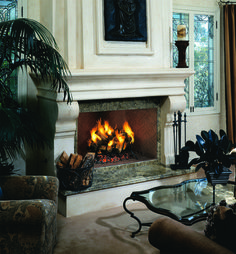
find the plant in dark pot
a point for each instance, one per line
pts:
(25, 44)
(215, 155)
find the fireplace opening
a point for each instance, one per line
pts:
(118, 137)
(110, 144)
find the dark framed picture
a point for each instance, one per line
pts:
(125, 20)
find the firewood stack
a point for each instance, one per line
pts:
(74, 171)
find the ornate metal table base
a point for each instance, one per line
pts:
(136, 218)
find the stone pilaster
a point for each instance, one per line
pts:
(171, 104)
(59, 123)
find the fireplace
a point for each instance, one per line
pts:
(99, 95)
(142, 115)
(104, 74)
(103, 93)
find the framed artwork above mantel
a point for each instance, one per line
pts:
(125, 20)
(121, 47)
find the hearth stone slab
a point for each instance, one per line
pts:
(125, 174)
(111, 186)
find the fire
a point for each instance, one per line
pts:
(129, 131)
(108, 129)
(94, 136)
(106, 138)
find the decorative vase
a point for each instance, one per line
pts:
(221, 178)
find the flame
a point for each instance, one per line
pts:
(113, 138)
(129, 131)
(110, 145)
(108, 129)
(94, 136)
(101, 129)
(120, 139)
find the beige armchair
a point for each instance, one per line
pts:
(28, 214)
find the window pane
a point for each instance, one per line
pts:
(8, 11)
(203, 61)
(181, 19)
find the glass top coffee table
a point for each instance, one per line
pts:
(187, 202)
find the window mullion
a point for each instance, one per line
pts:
(191, 58)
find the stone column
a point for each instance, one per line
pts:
(171, 104)
(59, 122)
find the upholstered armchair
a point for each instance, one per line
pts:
(28, 214)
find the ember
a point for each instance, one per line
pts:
(110, 144)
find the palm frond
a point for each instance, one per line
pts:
(19, 126)
(25, 42)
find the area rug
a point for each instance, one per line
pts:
(107, 232)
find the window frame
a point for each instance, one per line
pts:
(22, 79)
(202, 11)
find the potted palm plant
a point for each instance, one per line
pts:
(25, 44)
(215, 155)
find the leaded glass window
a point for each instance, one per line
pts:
(200, 89)
(203, 61)
(8, 11)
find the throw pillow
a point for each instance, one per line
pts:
(221, 225)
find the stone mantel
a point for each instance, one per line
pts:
(94, 85)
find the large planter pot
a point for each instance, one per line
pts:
(221, 178)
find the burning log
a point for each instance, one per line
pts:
(106, 139)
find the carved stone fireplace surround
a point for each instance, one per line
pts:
(168, 84)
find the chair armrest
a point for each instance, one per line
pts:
(170, 236)
(30, 187)
(26, 212)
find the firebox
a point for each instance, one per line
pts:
(119, 136)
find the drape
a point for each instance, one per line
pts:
(230, 69)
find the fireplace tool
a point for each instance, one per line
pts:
(181, 157)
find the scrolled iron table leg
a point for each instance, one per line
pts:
(132, 216)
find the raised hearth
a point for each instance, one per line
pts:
(112, 185)
(121, 175)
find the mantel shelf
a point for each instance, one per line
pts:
(165, 73)
(97, 85)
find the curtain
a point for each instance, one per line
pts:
(230, 69)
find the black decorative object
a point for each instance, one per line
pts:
(221, 178)
(215, 155)
(181, 156)
(182, 46)
(75, 179)
(221, 224)
(125, 20)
